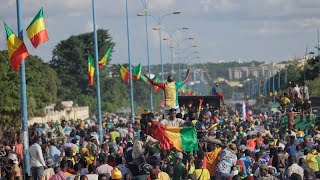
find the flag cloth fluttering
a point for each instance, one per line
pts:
(144, 79)
(182, 138)
(36, 30)
(125, 75)
(105, 58)
(244, 113)
(16, 49)
(90, 70)
(136, 72)
(156, 79)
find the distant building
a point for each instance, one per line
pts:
(68, 112)
(264, 70)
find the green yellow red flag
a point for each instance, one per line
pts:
(36, 30)
(16, 49)
(105, 58)
(90, 70)
(125, 75)
(136, 72)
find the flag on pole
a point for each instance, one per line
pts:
(136, 72)
(244, 113)
(144, 79)
(36, 30)
(125, 75)
(90, 70)
(16, 49)
(105, 58)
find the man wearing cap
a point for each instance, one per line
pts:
(173, 121)
(215, 93)
(170, 89)
(16, 172)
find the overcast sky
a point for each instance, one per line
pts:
(263, 30)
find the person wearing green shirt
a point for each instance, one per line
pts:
(179, 168)
(113, 135)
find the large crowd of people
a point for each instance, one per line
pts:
(234, 149)
(229, 147)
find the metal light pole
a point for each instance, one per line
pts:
(279, 81)
(273, 76)
(179, 52)
(171, 56)
(286, 76)
(179, 72)
(189, 57)
(171, 36)
(161, 59)
(148, 50)
(159, 21)
(318, 46)
(304, 64)
(95, 40)
(269, 81)
(130, 65)
(24, 108)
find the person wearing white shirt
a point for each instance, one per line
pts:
(37, 161)
(91, 175)
(293, 168)
(104, 168)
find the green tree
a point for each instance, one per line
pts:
(42, 84)
(70, 62)
(314, 86)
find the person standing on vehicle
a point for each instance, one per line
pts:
(215, 92)
(170, 89)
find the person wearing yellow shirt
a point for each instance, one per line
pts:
(200, 173)
(285, 100)
(311, 160)
(212, 158)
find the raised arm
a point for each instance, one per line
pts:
(151, 81)
(187, 76)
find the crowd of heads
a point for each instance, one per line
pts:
(230, 147)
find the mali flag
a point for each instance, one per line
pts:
(90, 70)
(105, 58)
(36, 30)
(16, 48)
(181, 138)
(125, 75)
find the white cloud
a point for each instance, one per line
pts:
(307, 23)
(89, 26)
(160, 4)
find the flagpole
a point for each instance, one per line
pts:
(24, 109)
(273, 76)
(279, 81)
(318, 46)
(130, 66)
(95, 39)
(148, 50)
